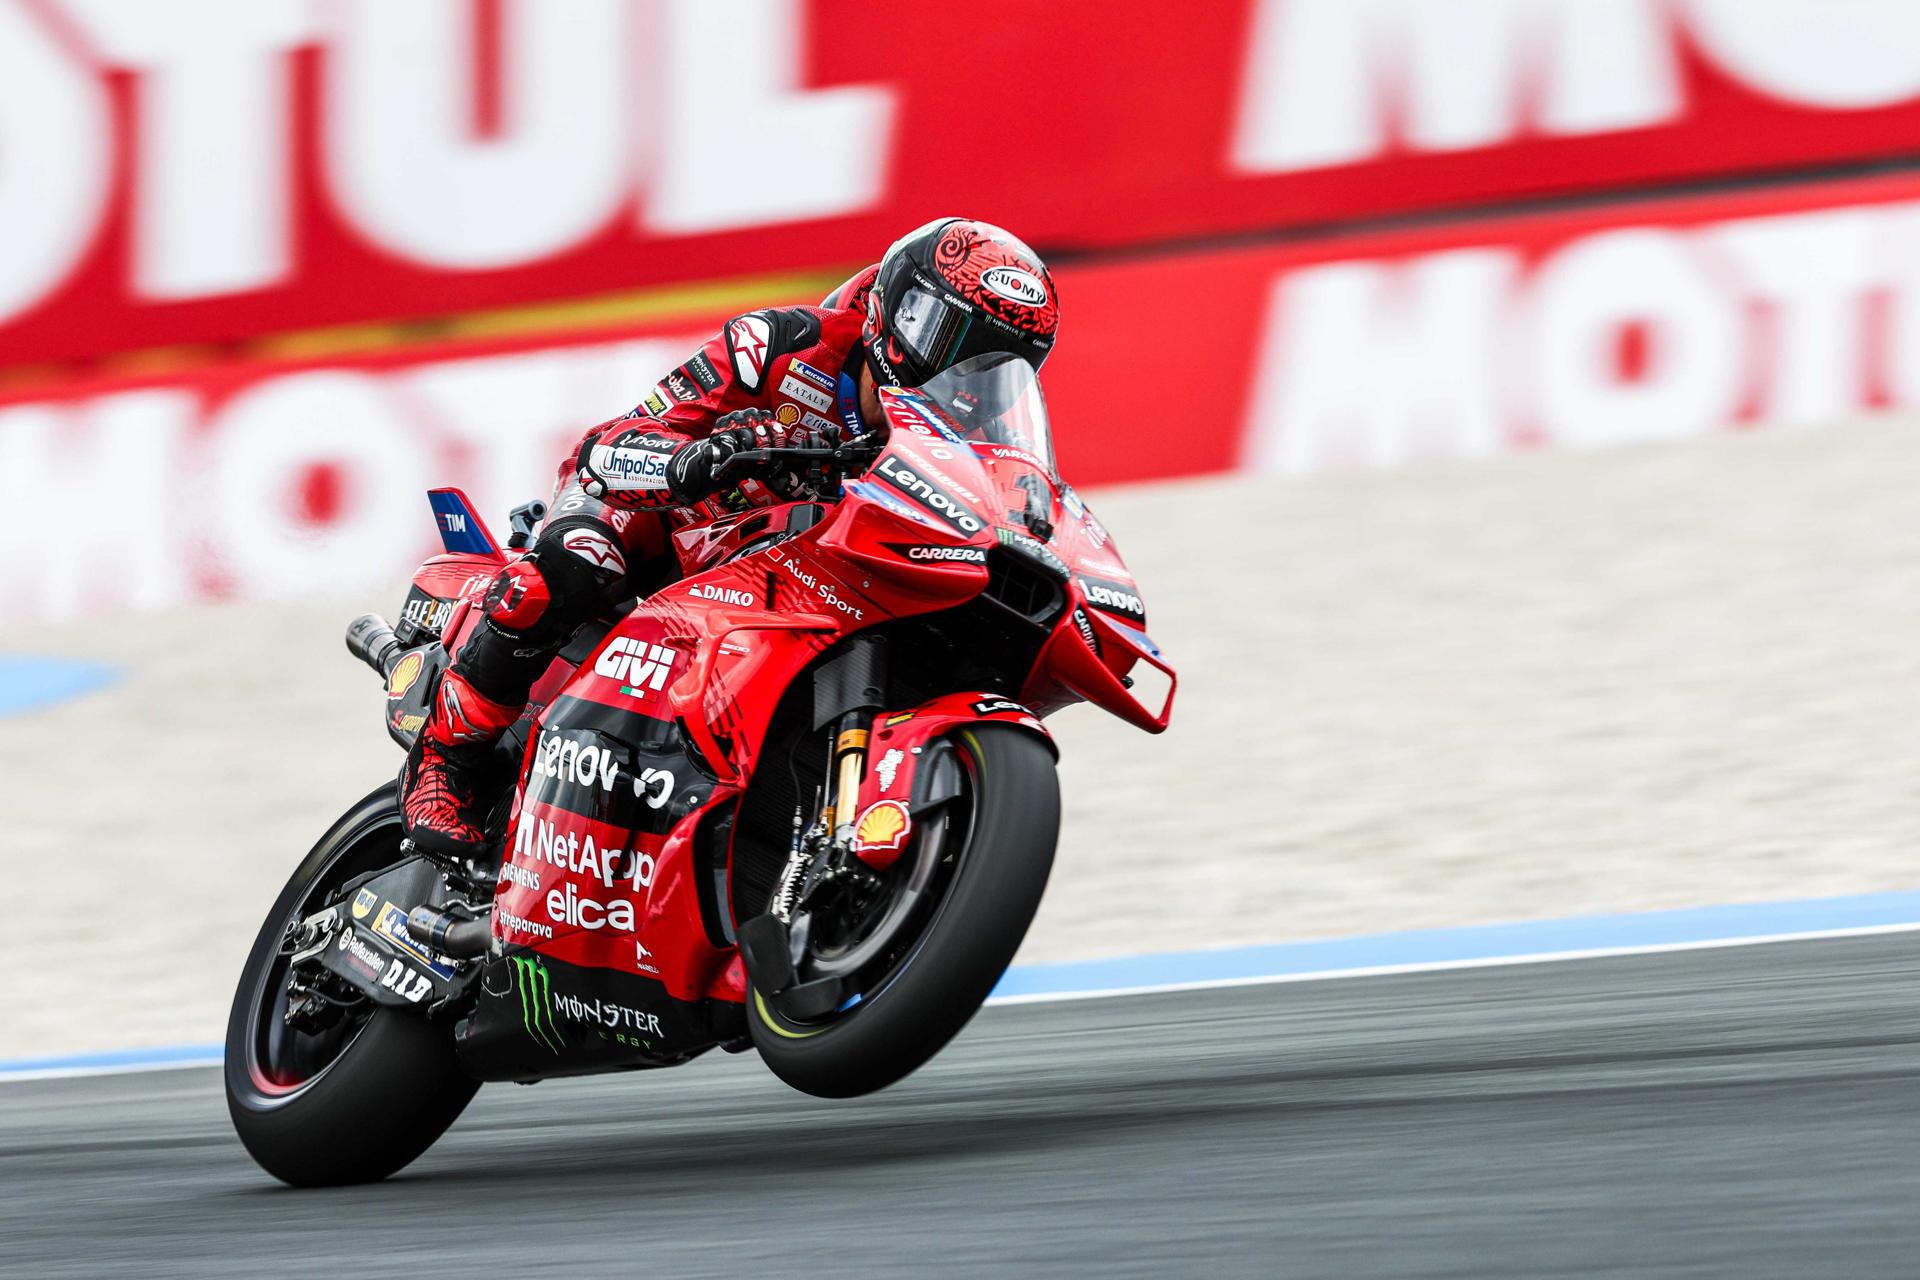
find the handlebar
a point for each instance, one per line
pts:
(853, 452)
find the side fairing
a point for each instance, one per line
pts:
(604, 789)
(644, 748)
(599, 859)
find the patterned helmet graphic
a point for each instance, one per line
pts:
(952, 290)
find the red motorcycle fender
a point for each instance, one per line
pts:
(893, 758)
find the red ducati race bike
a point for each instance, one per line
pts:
(799, 800)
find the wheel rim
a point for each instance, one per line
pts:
(882, 948)
(281, 1061)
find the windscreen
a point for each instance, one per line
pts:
(995, 398)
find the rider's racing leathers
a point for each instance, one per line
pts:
(775, 377)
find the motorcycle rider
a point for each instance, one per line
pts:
(780, 377)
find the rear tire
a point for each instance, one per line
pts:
(391, 1086)
(939, 984)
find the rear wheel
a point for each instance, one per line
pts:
(923, 958)
(363, 1096)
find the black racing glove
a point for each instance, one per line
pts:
(704, 466)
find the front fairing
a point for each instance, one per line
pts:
(992, 412)
(1100, 638)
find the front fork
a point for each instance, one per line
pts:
(849, 769)
(822, 873)
(848, 691)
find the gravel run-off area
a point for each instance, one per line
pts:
(1537, 686)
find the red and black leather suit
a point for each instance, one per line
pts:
(953, 290)
(603, 542)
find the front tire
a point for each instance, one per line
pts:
(937, 986)
(365, 1099)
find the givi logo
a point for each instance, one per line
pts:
(642, 667)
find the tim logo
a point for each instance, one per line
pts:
(642, 667)
(453, 521)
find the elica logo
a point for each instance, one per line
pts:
(566, 904)
(641, 666)
(722, 595)
(941, 504)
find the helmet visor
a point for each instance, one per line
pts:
(929, 327)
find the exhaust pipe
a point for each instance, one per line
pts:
(371, 640)
(452, 936)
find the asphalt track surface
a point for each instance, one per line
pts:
(1752, 1111)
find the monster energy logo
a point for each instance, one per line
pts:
(1034, 549)
(536, 1001)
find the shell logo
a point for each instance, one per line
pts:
(884, 825)
(405, 674)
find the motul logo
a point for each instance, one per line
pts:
(407, 161)
(1333, 82)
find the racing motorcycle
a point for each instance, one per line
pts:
(799, 800)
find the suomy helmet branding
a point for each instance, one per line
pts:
(955, 289)
(1015, 285)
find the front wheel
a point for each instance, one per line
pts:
(361, 1097)
(986, 853)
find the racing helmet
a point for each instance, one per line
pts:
(952, 290)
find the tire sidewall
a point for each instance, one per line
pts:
(962, 950)
(392, 1090)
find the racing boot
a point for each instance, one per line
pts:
(443, 786)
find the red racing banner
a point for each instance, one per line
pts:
(206, 171)
(1607, 327)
